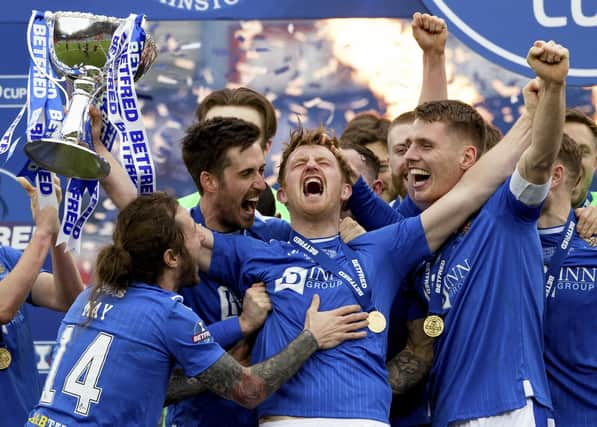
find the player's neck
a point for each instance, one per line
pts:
(556, 210)
(211, 214)
(167, 281)
(315, 229)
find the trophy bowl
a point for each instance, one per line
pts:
(79, 46)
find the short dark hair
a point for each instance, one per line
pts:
(492, 135)
(244, 97)
(302, 137)
(371, 160)
(404, 119)
(570, 155)
(459, 117)
(205, 145)
(366, 128)
(576, 116)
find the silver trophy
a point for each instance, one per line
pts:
(79, 45)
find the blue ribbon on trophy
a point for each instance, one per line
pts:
(93, 52)
(123, 109)
(45, 110)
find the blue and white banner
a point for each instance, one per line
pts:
(223, 9)
(504, 30)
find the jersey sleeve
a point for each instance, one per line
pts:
(268, 228)
(226, 332)
(368, 209)
(399, 247)
(232, 261)
(504, 203)
(189, 341)
(11, 256)
(405, 243)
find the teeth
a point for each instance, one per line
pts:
(415, 171)
(310, 180)
(253, 200)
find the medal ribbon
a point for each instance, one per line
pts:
(560, 254)
(435, 289)
(358, 287)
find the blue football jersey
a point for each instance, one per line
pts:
(571, 332)
(349, 381)
(372, 212)
(215, 301)
(19, 383)
(114, 369)
(489, 358)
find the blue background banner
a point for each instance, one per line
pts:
(19, 11)
(502, 31)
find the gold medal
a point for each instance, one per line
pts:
(377, 322)
(433, 326)
(5, 358)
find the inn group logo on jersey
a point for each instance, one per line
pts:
(293, 278)
(504, 30)
(200, 5)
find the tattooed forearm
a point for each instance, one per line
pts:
(406, 370)
(181, 387)
(247, 386)
(277, 370)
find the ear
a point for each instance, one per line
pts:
(558, 175)
(346, 192)
(170, 258)
(268, 146)
(281, 196)
(209, 182)
(469, 157)
(377, 187)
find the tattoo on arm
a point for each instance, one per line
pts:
(406, 370)
(412, 364)
(247, 386)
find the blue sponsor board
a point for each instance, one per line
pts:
(13, 90)
(19, 11)
(503, 31)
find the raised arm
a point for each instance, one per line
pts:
(16, 285)
(550, 63)
(250, 386)
(58, 290)
(117, 185)
(431, 33)
(476, 185)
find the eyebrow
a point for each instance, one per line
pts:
(419, 140)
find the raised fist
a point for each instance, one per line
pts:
(549, 61)
(430, 32)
